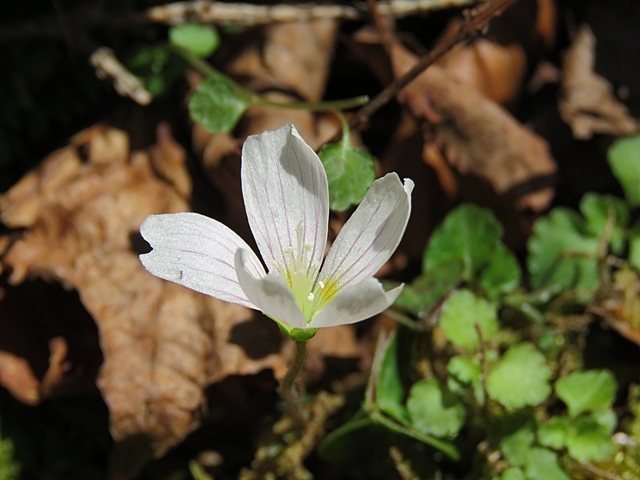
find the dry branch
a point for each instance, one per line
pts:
(208, 11)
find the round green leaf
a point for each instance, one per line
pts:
(513, 473)
(217, 104)
(542, 464)
(515, 446)
(464, 369)
(502, 274)
(624, 158)
(634, 246)
(607, 418)
(461, 313)
(562, 252)
(588, 441)
(469, 233)
(465, 373)
(597, 209)
(426, 291)
(201, 40)
(350, 173)
(587, 391)
(434, 409)
(553, 433)
(520, 378)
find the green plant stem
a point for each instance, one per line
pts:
(209, 71)
(287, 385)
(196, 62)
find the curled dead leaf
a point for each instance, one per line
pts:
(479, 138)
(160, 341)
(588, 104)
(17, 376)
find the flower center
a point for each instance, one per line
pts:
(302, 276)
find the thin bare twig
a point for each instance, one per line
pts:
(209, 11)
(125, 82)
(476, 20)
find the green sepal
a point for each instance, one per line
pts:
(302, 334)
(294, 333)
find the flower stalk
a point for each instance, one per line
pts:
(287, 386)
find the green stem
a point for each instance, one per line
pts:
(196, 62)
(209, 71)
(287, 384)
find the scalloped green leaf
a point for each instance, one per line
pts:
(624, 159)
(553, 433)
(217, 104)
(469, 233)
(465, 373)
(157, 67)
(607, 418)
(634, 246)
(587, 391)
(434, 409)
(597, 208)
(426, 291)
(520, 378)
(562, 252)
(542, 464)
(516, 444)
(350, 173)
(503, 273)
(589, 441)
(513, 473)
(200, 40)
(461, 313)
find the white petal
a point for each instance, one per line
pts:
(285, 195)
(355, 303)
(269, 293)
(197, 252)
(372, 234)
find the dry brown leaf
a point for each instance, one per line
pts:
(497, 71)
(49, 344)
(22, 205)
(59, 366)
(162, 343)
(588, 104)
(478, 137)
(17, 376)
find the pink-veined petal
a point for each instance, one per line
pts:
(270, 293)
(369, 238)
(355, 303)
(197, 252)
(285, 192)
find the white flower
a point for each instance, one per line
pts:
(287, 203)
